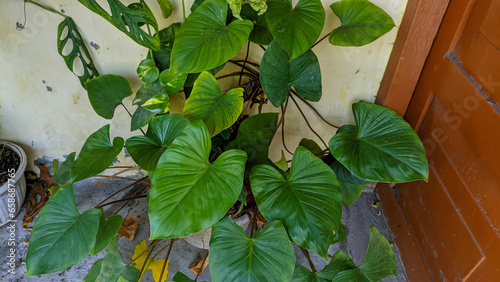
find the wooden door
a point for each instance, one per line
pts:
(449, 227)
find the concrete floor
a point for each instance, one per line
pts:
(357, 219)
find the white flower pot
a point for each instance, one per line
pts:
(201, 239)
(12, 193)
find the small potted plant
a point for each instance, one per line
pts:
(12, 181)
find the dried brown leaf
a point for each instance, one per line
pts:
(199, 264)
(129, 227)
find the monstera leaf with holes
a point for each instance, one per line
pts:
(278, 74)
(268, 256)
(147, 150)
(96, 155)
(62, 236)
(188, 192)
(206, 102)
(382, 147)
(128, 20)
(307, 200)
(205, 32)
(67, 33)
(106, 92)
(112, 268)
(295, 28)
(362, 23)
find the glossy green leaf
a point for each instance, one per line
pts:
(112, 268)
(64, 174)
(295, 28)
(308, 201)
(193, 76)
(142, 116)
(188, 192)
(340, 262)
(282, 163)
(181, 277)
(166, 8)
(196, 4)
(172, 81)
(218, 111)
(381, 148)
(106, 92)
(278, 74)
(147, 150)
(128, 21)
(107, 231)
(205, 32)
(260, 34)
(62, 236)
(379, 262)
(350, 185)
(340, 234)
(67, 33)
(302, 274)
(158, 104)
(235, 6)
(311, 145)
(147, 71)
(268, 256)
(254, 136)
(97, 154)
(362, 22)
(167, 36)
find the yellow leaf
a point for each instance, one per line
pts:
(154, 265)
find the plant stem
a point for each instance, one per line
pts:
(166, 259)
(139, 255)
(155, 242)
(315, 110)
(249, 62)
(183, 10)
(248, 104)
(139, 191)
(116, 174)
(263, 48)
(120, 177)
(126, 187)
(237, 74)
(144, 133)
(246, 67)
(121, 200)
(306, 254)
(46, 8)
(282, 122)
(201, 268)
(322, 38)
(307, 122)
(244, 62)
(254, 221)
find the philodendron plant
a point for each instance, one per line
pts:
(210, 164)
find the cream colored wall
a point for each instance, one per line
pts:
(51, 124)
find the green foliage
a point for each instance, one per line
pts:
(147, 150)
(350, 185)
(268, 256)
(295, 28)
(166, 8)
(107, 231)
(106, 92)
(96, 155)
(111, 268)
(278, 74)
(172, 81)
(179, 206)
(128, 20)
(206, 102)
(260, 34)
(142, 115)
(63, 175)
(381, 148)
(205, 32)
(62, 236)
(308, 201)
(147, 71)
(67, 33)
(362, 23)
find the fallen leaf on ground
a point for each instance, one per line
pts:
(129, 227)
(199, 264)
(154, 265)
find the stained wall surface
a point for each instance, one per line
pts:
(45, 109)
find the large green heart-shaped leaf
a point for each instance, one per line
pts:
(189, 193)
(112, 268)
(206, 102)
(295, 29)
(63, 175)
(351, 186)
(96, 155)
(268, 256)
(128, 20)
(381, 148)
(147, 150)
(362, 22)
(205, 32)
(379, 262)
(308, 201)
(107, 231)
(61, 236)
(67, 33)
(106, 92)
(254, 136)
(278, 74)
(260, 34)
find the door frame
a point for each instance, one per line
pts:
(415, 38)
